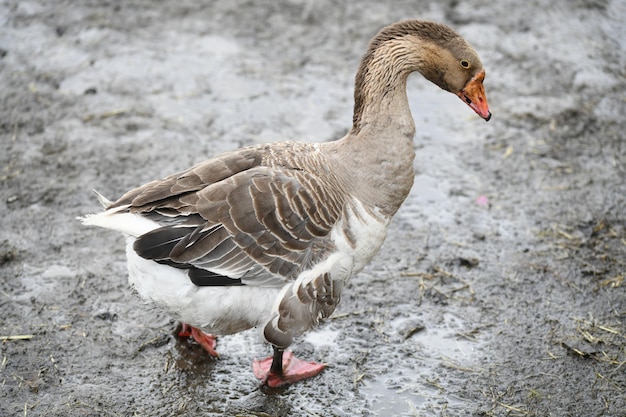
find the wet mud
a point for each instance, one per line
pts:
(499, 291)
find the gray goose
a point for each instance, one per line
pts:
(268, 235)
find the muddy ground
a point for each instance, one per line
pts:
(499, 291)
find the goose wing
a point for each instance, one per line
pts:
(237, 220)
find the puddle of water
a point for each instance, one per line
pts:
(322, 336)
(442, 341)
(409, 391)
(393, 395)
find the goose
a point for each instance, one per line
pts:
(268, 235)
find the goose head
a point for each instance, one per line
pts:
(453, 65)
(435, 50)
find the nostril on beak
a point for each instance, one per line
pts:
(468, 101)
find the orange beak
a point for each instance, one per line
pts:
(474, 95)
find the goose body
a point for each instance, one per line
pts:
(268, 236)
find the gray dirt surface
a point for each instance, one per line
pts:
(499, 291)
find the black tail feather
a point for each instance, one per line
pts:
(204, 278)
(158, 244)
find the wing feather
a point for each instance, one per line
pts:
(245, 217)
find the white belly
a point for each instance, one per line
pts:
(359, 235)
(231, 309)
(218, 310)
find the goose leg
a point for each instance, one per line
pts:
(283, 368)
(207, 341)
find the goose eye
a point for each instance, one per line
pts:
(465, 64)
